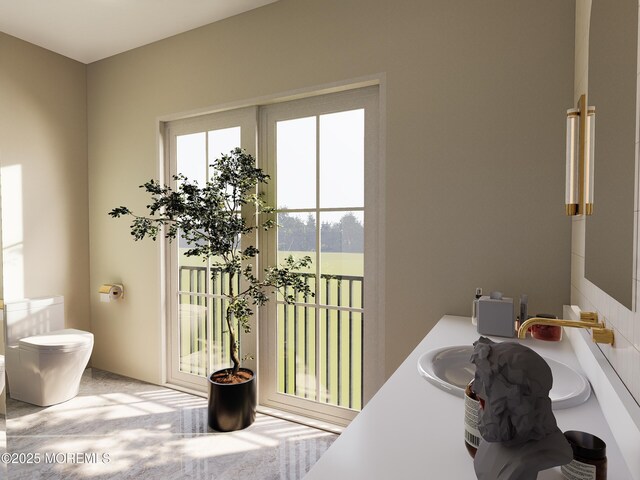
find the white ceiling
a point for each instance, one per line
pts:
(89, 30)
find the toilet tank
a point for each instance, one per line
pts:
(24, 318)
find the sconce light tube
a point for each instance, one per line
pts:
(572, 186)
(579, 186)
(589, 160)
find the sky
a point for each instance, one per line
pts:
(330, 145)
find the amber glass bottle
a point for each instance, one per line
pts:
(471, 410)
(589, 457)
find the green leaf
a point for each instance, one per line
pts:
(211, 220)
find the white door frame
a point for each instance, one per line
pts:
(246, 118)
(373, 374)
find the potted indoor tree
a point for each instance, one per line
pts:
(212, 219)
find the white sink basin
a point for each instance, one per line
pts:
(450, 369)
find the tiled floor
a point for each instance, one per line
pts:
(118, 428)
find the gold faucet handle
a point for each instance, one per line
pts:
(602, 335)
(591, 317)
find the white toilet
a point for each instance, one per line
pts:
(44, 360)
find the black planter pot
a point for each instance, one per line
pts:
(232, 406)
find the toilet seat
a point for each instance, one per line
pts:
(58, 341)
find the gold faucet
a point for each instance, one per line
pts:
(589, 320)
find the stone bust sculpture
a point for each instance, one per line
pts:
(519, 431)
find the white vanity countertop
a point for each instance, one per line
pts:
(411, 429)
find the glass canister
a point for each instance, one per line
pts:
(471, 411)
(550, 333)
(589, 457)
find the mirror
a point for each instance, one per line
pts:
(613, 56)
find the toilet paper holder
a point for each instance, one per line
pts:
(111, 291)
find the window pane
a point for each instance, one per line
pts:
(296, 359)
(340, 358)
(223, 141)
(296, 163)
(342, 159)
(297, 238)
(296, 233)
(192, 330)
(192, 271)
(202, 328)
(191, 156)
(219, 336)
(342, 258)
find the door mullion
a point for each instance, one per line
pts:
(319, 390)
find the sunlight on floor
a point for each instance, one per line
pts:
(129, 429)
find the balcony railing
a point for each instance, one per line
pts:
(319, 344)
(204, 344)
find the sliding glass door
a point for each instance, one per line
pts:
(317, 150)
(198, 343)
(320, 355)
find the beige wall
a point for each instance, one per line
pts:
(43, 158)
(475, 101)
(624, 355)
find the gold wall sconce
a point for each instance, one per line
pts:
(581, 125)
